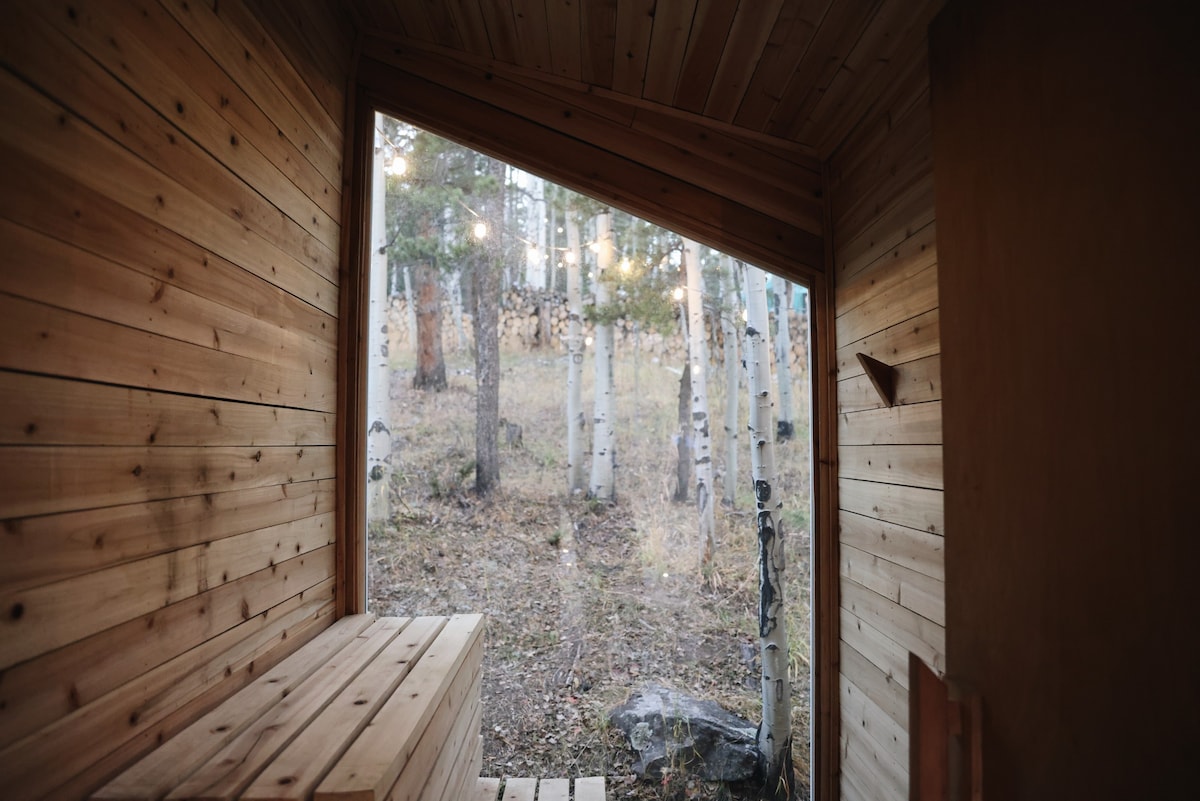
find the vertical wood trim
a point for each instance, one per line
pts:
(352, 336)
(827, 667)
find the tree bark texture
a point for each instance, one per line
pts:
(683, 438)
(785, 425)
(487, 347)
(701, 439)
(410, 292)
(576, 477)
(729, 310)
(603, 422)
(431, 363)
(774, 735)
(379, 436)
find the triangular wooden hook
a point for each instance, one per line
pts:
(883, 377)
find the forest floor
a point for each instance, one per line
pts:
(585, 602)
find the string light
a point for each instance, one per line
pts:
(678, 293)
(533, 254)
(594, 247)
(588, 342)
(570, 258)
(481, 230)
(398, 165)
(626, 266)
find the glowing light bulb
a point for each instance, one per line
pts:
(626, 266)
(588, 342)
(678, 293)
(744, 316)
(532, 254)
(398, 166)
(594, 247)
(570, 258)
(480, 230)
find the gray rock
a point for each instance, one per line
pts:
(669, 730)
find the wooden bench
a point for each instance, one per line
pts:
(371, 709)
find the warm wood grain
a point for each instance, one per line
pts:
(911, 589)
(751, 27)
(563, 21)
(438, 764)
(554, 790)
(590, 788)
(905, 341)
(486, 789)
(519, 789)
(296, 772)
(784, 49)
(155, 775)
(917, 550)
(908, 465)
(912, 424)
(668, 42)
(461, 759)
(893, 304)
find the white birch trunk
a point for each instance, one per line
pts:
(576, 477)
(603, 423)
(379, 437)
(729, 311)
(410, 302)
(774, 735)
(783, 357)
(535, 265)
(701, 439)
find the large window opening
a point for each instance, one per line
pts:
(572, 416)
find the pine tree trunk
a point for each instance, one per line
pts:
(785, 426)
(576, 477)
(701, 439)
(774, 735)
(729, 311)
(379, 437)
(410, 295)
(431, 363)
(487, 347)
(603, 423)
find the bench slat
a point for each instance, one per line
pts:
(158, 772)
(447, 775)
(554, 790)
(520, 789)
(485, 790)
(590, 789)
(371, 765)
(297, 770)
(237, 764)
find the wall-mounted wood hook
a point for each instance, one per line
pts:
(883, 377)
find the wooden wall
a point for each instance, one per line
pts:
(1067, 171)
(170, 197)
(889, 459)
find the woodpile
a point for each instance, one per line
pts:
(533, 319)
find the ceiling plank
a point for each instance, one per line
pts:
(835, 36)
(533, 34)
(785, 48)
(634, 24)
(752, 25)
(468, 19)
(501, 30)
(668, 42)
(598, 36)
(565, 30)
(442, 23)
(591, 168)
(752, 182)
(710, 29)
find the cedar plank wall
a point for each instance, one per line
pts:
(889, 460)
(170, 197)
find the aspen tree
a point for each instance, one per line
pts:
(379, 438)
(697, 362)
(603, 422)
(785, 426)
(729, 309)
(576, 479)
(774, 734)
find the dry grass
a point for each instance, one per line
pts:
(585, 602)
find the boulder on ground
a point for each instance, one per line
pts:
(674, 732)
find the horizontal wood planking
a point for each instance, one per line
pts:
(888, 694)
(44, 618)
(884, 774)
(184, 151)
(170, 763)
(79, 739)
(42, 690)
(917, 550)
(911, 212)
(918, 381)
(44, 410)
(861, 711)
(913, 632)
(910, 256)
(913, 339)
(58, 139)
(45, 339)
(910, 424)
(895, 304)
(65, 478)
(912, 507)
(907, 465)
(48, 548)
(55, 204)
(911, 589)
(876, 647)
(75, 280)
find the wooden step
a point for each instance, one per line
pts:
(585, 789)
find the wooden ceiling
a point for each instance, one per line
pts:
(709, 117)
(800, 72)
